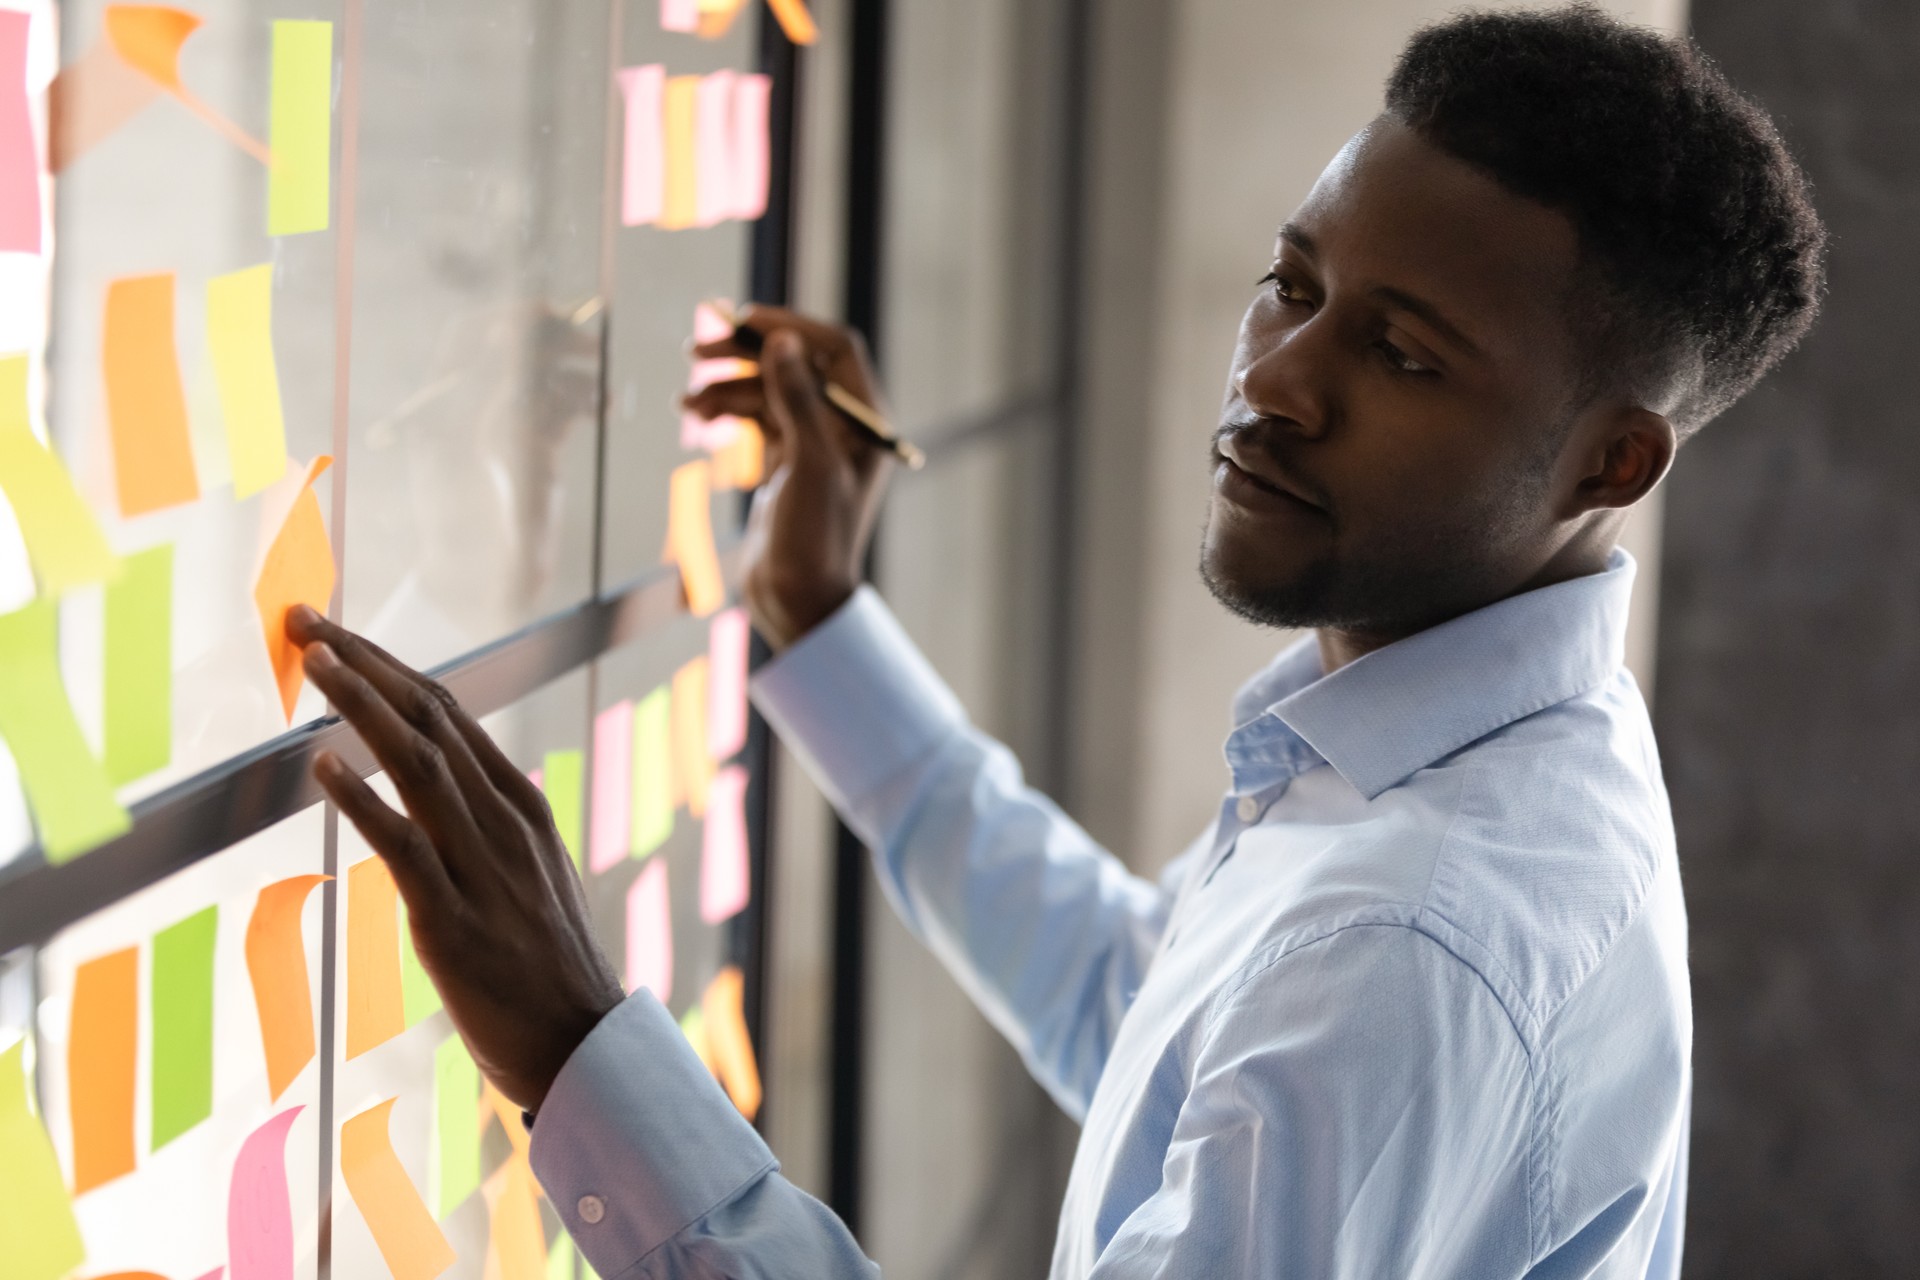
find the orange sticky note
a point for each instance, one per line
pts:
(692, 764)
(102, 1045)
(410, 1240)
(148, 38)
(298, 570)
(491, 1099)
(732, 1048)
(795, 20)
(740, 463)
(376, 1007)
(690, 536)
(93, 96)
(277, 968)
(679, 111)
(516, 1242)
(146, 406)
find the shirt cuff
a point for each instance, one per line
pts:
(855, 700)
(635, 1140)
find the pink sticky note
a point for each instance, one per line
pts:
(751, 94)
(710, 436)
(650, 932)
(708, 324)
(680, 15)
(612, 782)
(259, 1214)
(643, 183)
(214, 1274)
(728, 638)
(538, 777)
(723, 848)
(713, 148)
(19, 161)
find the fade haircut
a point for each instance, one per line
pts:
(1701, 251)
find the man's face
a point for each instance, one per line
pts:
(1400, 392)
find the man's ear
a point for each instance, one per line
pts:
(1631, 451)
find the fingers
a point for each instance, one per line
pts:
(796, 404)
(739, 397)
(417, 869)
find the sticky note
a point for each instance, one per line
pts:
(455, 1167)
(651, 801)
(713, 148)
(409, 1239)
(723, 847)
(259, 1210)
(19, 158)
(729, 642)
(716, 17)
(643, 159)
(146, 405)
(277, 970)
(795, 20)
(298, 570)
(511, 1122)
(214, 1274)
(137, 690)
(564, 780)
(67, 789)
(149, 39)
(36, 1217)
(516, 1242)
(741, 461)
(90, 99)
(693, 1025)
(180, 995)
(300, 128)
(102, 1042)
(690, 536)
(64, 541)
(751, 150)
(680, 15)
(679, 111)
(376, 1011)
(611, 828)
(692, 765)
(732, 1048)
(560, 1258)
(240, 338)
(418, 996)
(650, 932)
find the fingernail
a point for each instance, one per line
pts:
(303, 614)
(321, 657)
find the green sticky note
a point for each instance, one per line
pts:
(72, 800)
(138, 714)
(564, 779)
(560, 1258)
(64, 541)
(181, 998)
(36, 1217)
(418, 996)
(300, 128)
(456, 1150)
(652, 792)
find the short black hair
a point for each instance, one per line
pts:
(1697, 229)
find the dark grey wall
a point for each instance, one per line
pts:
(1788, 703)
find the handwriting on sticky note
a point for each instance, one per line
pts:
(650, 932)
(723, 847)
(146, 405)
(19, 158)
(729, 641)
(727, 1034)
(64, 541)
(410, 1240)
(376, 1010)
(652, 797)
(102, 1044)
(643, 161)
(240, 339)
(564, 781)
(692, 765)
(690, 536)
(259, 1209)
(277, 970)
(180, 1001)
(751, 151)
(137, 689)
(516, 1242)
(300, 128)
(611, 825)
(298, 569)
(679, 111)
(67, 789)
(455, 1169)
(36, 1217)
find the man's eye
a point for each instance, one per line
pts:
(1282, 287)
(1400, 359)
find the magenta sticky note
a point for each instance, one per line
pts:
(723, 847)
(607, 832)
(680, 15)
(650, 932)
(19, 160)
(728, 639)
(643, 178)
(751, 94)
(713, 149)
(259, 1213)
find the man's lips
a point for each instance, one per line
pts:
(1261, 469)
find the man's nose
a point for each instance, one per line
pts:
(1288, 381)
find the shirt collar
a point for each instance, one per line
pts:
(1390, 713)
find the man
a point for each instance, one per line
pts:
(1416, 1003)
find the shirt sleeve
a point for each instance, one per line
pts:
(1047, 932)
(1358, 1107)
(654, 1174)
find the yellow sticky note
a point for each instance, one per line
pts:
(376, 1005)
(690, 536)
(36, 1217)
(692, 763)
(300, 128)
(410, 1240)
(240, 336)
(64, 542)
(678, 113)
(72, 801)
(138, 688)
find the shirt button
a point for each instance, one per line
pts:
(592, 1209)
(1249, 809)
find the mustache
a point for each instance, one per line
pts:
(1260, 435)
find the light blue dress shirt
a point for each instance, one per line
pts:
(1415, 1004)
